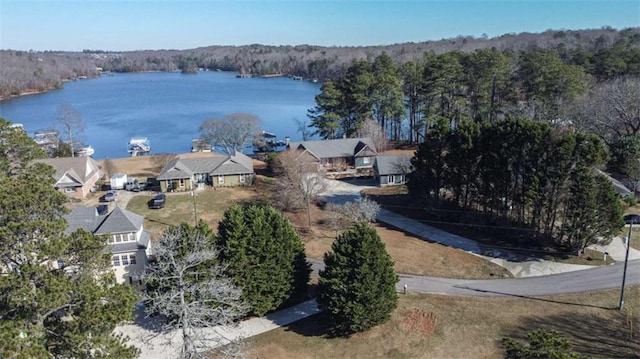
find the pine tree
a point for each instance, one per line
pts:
(58, 295)
(265, 256)
(358, 285)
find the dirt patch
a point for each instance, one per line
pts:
(419, 321)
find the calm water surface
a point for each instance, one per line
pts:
(165, 107)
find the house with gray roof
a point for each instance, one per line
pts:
(337, 155)
(74, 176)
(128, 243)
(186, 174)
(391, 170)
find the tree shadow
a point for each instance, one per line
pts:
(536, 298)
(594, 335)
(318, 325)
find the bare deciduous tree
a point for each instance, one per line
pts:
(193, 295)
(360, 210)
(303, 128)
(611, 109)
(372, 130)
(298, 185)
(161, 160)
(71, 125)
(232, 132)
(109, 168)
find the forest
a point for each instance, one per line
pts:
(603, 52)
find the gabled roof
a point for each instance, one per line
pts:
(86, 218)
(78, 169)
(214, 165)
(392, 164)
(343, 147)
(620, 188)
(120, 221)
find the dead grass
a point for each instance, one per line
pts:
(410, 254)
(468, 328)
(210, 205)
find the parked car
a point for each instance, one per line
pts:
(141, 186)
(631, 218)
(110, 196)
(132, 184)
(157, 202)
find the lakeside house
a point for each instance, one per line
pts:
(391, 170)
(186, 174)
(128, 242)
(337, 155)
(74, 176)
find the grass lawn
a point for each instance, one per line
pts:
(434, 326)
(210, 205)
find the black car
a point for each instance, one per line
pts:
(631, 218)
(157, 202)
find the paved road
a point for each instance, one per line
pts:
(586, 280)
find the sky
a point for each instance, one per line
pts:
(120, 25)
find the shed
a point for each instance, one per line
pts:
(118, 181)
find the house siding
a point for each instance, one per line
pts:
(233, 180)
(164, 185)
(360, 162)
(123, 272)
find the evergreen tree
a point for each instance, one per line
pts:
(58, 295)
(548, 344)
(358, 285)
(265, 256)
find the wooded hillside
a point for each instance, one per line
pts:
(38, 71)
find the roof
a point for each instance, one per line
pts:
(79, 169)
(620, 188)
(344, 147)
(214, 165)
(392, 164)
(86, 218)
(120, 221)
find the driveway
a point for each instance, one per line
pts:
(518, 264)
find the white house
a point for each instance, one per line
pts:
(129, 243)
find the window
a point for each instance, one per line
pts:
(366, 160)
(132, 258)
(118, 238)
(69, 190)
(390, 179)
(125, 260)
(181, 182)
(220, 179)
(242, 178)
(116, 261)
(129, 236)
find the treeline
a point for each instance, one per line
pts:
(518, 172)
(484, 85)
(30, 71)
(22, 71)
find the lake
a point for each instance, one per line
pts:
(167, 108)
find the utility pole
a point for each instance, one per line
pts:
(195, 211)
(624, 272)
